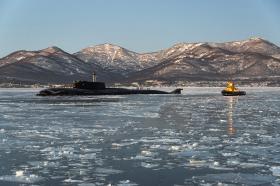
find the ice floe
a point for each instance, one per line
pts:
(21, 177)
(275, 170)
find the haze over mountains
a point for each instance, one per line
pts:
(250, 62)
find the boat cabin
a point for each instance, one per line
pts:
(230, 87)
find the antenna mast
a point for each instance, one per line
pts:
(94, 77)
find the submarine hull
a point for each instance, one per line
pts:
(236, 93)
(106, 91)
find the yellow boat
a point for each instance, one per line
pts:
(231, 90)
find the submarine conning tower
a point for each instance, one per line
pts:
(94, 85)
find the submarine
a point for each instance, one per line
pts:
(231, 90)
(86, 88)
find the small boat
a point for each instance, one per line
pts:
(231, 90)
(85, 88)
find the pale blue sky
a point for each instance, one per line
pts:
(141, 26)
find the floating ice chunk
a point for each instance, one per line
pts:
(47, 136)
(19, 173)
(233, 162)
(215, 130)
(221, 168)
(149, 165)
(87, 150)
(146, 153)
(174, 148)
(230, 154)
(86, 184)
(197, 163)
(246, 134)
(155, 146)
(57, 177)
(151, 115)
(161, 141)
(275, 170)
(194, 144)
(223, 121)
(140, 157)
(238, 178)
(69, 180)
(88, 156)
(48, 149)
(116, 145)
(119, 145)
(216, 166)
(2, 130)
(21, 178)
(216, 163)
(192, 153)
(40, 164)
(251, 165)
(126, 183)
(209, 139)
(108, 171)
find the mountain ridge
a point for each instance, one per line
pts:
(182, 62)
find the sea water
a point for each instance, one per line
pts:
(197, 138)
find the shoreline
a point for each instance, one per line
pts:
(171, 86)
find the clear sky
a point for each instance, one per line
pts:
(139, 25)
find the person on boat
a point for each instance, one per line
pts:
(230, 87)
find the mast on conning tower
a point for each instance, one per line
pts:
(94, 77)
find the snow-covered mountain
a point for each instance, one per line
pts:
(254, 59)
(250, 59)
(50, 65)
(254, 45)
(117, 59)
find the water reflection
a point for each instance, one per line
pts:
(231, 105)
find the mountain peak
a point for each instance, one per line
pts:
(52, 49)
(257, 39)
(262, 41)
(104, 48)
(109, 46)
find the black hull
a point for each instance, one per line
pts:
(106, 91)
(237, 93)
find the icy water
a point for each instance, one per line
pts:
(198, 138)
